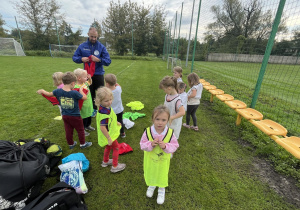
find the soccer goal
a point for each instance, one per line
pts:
(173, 62)
(62, 50)
(10, 47)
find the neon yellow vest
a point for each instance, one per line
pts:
(113, 127)
(157, 162)
(87, 106)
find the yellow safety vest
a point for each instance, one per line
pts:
(113, 127)
(157, 162)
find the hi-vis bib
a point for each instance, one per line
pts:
(157, 162)
(113, 127)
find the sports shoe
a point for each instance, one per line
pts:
(150, 191)
(120, 167)
(94, 113)
(72, 146)
(186, 126)
(86, 133)
(86, 145)
(109, 163)
(161, 196)
(123, 135)
(90, 128)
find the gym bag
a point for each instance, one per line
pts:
(22, 172)
(60, 197)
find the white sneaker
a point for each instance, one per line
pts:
(109, 163)
(120, 167)
(161, 196)
(150, 191)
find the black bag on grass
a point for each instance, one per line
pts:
(60, 197)
(23, 170)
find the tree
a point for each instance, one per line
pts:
(96, 24)
(2, 30)
(38, 17)
(67, 36)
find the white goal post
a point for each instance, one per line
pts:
(172, 62)
(10, 47)
(62, 50)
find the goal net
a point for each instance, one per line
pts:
(62, 50)
(10, 47)
(172, 62)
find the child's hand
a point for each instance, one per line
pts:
(109, 141)
(162, 144)
(154, 142)
(170, 120)
(119, 124)
(40, 91)
(89, 76)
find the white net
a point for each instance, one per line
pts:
(173, 62)
(10, 47)
(62, 50)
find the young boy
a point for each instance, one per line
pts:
(84, 80)
(117, 106)
(68, 100)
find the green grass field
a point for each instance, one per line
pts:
(210, 170)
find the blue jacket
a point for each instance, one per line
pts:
(86, 49)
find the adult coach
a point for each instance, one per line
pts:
(92, 50)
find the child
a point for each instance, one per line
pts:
(84, 80)
(173, 103)
(108, 129)
(57, 82)
(158, 142)
(68, 100)
(194, 96)
(117, 106)
(177, 73)
(181, 90)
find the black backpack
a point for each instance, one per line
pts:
(60, 197)
(23, 170)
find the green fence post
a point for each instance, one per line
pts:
(168, 43)
(164, 45)
(57, 34)
(179, 30)
(195, 41)
(267, 52)
(188, 47)
(132, 38)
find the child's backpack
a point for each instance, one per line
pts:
(23, 170)
(60, 197)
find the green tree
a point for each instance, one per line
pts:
(38, 17)
(117, 25)
(67, 36)
(96, 24)
(2, 30)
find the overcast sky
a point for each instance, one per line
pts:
(81, 13)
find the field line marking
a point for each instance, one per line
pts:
(125, 68)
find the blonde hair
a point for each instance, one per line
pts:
(78, 72)
(101, 94)
(168, 81)
(159, 110)
(111, 79)
(57, 78)
(68, 78)
(181, 85)
(178, 69)
(193, 79)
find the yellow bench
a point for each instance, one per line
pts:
(290, 144)
(205, 83)
(249, 114)
(225, 97)
(209, 87)
(215, 92)
(202, 80)
(270, 127)
(236, 104)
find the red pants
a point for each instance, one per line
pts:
(115, 156)
(70, 123)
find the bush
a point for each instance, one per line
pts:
(45, 53)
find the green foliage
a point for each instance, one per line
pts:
(210, 170)
(43, 53)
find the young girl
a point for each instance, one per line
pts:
(194, 96)
(111, 83)
(158, 142)
(108, 129)
(183, 95)
(173, 103)
(57, 82)
(84, 80)
(177, 72)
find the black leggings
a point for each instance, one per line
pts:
(120, 120)
(87, 122)
(191, 110)
(98, 81)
